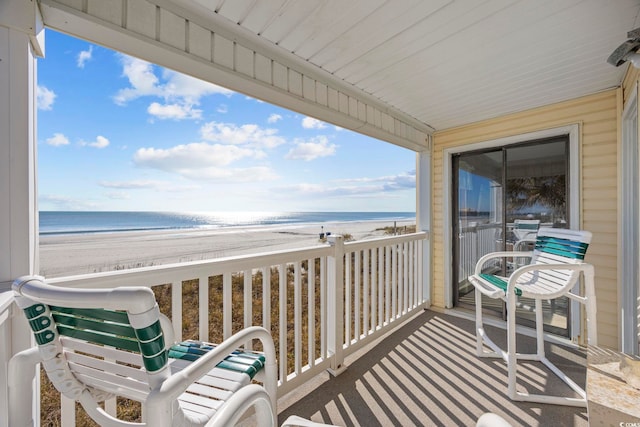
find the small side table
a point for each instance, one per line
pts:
(610, 400)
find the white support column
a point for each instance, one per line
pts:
(423, 218)
(335, 305)
(21, 39)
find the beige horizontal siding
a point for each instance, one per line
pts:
(597, 116)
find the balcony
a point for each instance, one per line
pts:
(358, 310)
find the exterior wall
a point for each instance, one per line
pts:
(598, 117)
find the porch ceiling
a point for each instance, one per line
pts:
(393, 69)
(449, 62)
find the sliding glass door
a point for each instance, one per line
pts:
(501, 196)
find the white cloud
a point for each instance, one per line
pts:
(100, 142)
(273, 118)
(166, 186)
(312, 149)
(128, 185)
(118, 195)
(58, 202)
(247, 134)
(196, 155)
(235, 175)
(141, 77)
(398, 182)
(311, 123)
(84, 56)
(222, 109)
(173, 111)
(383, 186)
(204, 161)
(181, 93)
(45, 98)
(57, 140)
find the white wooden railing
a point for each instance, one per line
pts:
(476, 241)
(321, 303)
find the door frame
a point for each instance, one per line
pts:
(574, 184)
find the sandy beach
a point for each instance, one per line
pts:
(65, 255)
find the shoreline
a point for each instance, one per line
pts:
(73, 254)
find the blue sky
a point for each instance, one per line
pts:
(118, 133)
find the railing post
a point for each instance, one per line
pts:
(21, 40)
(335, 305)
(22, 380)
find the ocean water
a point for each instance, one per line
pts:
(82, 222)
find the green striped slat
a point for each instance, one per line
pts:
(100, 338)
(238, 361)
(155, 363)
(95, 325)
(34, 311)
(94, 313)
(44, 337)
(149, 333)
(562, 247)
(500, 283)
(112, 328)
(39, 322)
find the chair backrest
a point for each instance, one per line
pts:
(525, 228)
(556, 246)
(101, 349)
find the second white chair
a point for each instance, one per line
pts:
(557, 263)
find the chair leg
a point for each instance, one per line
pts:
(511, 346)
(481, 335)
(479, 327)
(512, 358)
(539, 330)
(590, 305)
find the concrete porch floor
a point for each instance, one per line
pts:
(426, 374)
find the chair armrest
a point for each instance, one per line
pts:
(503, 254)
(586, 268)
(241, 401)
(177, 383)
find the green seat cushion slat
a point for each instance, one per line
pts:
(95, 325)
(94, 313)
(100, 338)
(498, 282)
(238, 361)
(239, 367)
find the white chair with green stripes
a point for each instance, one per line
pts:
(525, 229)
(99, 343)
(557, 262)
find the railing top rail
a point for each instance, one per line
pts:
(6, 299)
(161, 274)
(385, 241)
